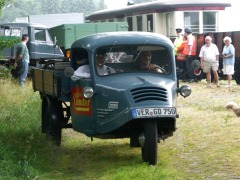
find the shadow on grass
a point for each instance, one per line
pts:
(91, 159)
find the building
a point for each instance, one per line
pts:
(164, 16)
(52, 20)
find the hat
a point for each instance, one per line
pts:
(179, 30)
(195, 64)
(187, 30)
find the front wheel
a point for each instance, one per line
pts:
(150, 147)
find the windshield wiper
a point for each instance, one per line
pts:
(140, 51)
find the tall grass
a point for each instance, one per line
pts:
(19, 129)
(206, 144)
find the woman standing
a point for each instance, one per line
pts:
(228, 56)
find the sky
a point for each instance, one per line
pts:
(113, 4)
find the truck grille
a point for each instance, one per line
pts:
(149, 93)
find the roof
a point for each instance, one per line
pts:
(93, 41)
(52, 20)
(23, 25)
(159, 6)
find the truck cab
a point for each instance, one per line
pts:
(41, 47)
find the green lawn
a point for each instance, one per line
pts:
(206, 144)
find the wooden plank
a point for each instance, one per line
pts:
(49, 82)
(38, 80)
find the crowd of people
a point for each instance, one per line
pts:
(185, 47)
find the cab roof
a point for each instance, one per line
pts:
(94, 41)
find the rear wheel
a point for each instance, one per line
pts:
(52, 116)
(150, 147)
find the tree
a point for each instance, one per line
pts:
(3, 4)
(24, 8)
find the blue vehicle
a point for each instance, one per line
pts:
(133, 98)
(42, 48)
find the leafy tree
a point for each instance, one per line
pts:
(3, 5)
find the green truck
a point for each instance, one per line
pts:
(66, 34)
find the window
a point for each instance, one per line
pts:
(12, 32)
(150, 23)
(200, 22)
(42, 35)
(130, 24)
(209, 21)
(132, 58)
(139, 23)
(191, 20)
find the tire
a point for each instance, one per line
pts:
(52, 116)
(49, 65)
(150, 148)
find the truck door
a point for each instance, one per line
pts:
(41, 46)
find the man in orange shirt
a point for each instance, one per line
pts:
(190, 50)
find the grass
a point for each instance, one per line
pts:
(206, 144)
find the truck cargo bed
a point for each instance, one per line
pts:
(52, 82)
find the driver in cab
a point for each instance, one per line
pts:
(102, 69)
(145, 62)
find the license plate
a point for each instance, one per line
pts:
(154, 112)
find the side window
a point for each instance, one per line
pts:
(16, 32)
(40, 35)
(79, 58)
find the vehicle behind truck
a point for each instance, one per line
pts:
(41, 47)
(128, 100)
(66, 34)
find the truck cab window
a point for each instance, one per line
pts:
(79, 58)
(42, 35)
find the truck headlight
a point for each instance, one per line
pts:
(88, 92)
(185, 90)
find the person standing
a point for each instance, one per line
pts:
(181, 60)
(209, 57)
(22, 59)
(228, 56)
(190, 50)
(177, 43)
(178, 40)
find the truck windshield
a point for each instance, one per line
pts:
(125, 59)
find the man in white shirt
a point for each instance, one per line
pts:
(102, 69)
(209, 57)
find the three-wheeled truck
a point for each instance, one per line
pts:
(122, 96)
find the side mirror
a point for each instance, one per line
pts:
(55, 40)
(69, 71)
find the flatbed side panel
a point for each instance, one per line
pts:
(44, 81)
(37, 80)
(49, 85)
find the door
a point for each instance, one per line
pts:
(41, 46)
